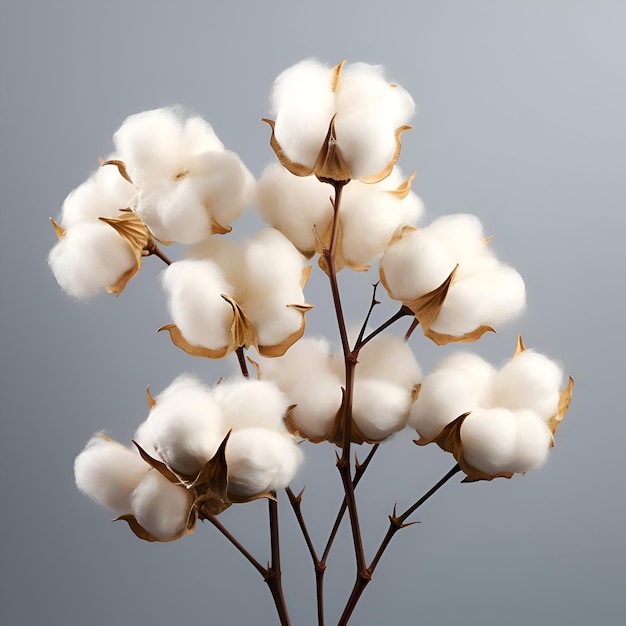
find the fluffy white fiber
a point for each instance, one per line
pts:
(103, 194)
(507, 427)
(260, 460)
(186, 426)
(367, 111)
(194, 293)
(183, 173)
(312, 379)
(108, 472)
(484, 291)
(301, 207)
(90, 257)
(161, 507)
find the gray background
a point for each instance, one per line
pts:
(522, 120)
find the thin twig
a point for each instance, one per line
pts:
(241, 357)
(412, 327)
(273, 576)
(373, 303)
(402, 312)
(396, 522)
(156, 251)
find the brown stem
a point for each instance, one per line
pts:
(213, 520)
(273, 576)
(241, 357)
(156, 251)
(403, 311)
(320, 567)
(373, 303)
(413, 326)
(396, 522)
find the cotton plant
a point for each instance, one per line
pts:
(336, 191)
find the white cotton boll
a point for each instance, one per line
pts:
(108, 472)
(222, 183)
(297, 206)
(103, 194)
(161, 507)
(369, 111)
(317, 398)
(380, 408)
(445, 395)
(194, 290)
(489, 439)
(197, 136)
(529, 381)
(89, 258)
(304, 103)
(143, 436)
(187, 428)
(251, 403)
(260, 460)
(480, 373)
(273, 319)
(484, 298)
(173, 211)
(148, 143)
(462, 233)
(228, 256)
(389, 358)
(532, 444)
(306, 358)
(416, 264)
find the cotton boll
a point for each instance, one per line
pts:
(186, 426)
(102, 195)
(533, 442)
(461, 233)
(308, 357)
(228, 256)
(304, 103)
(317, 398)
(477, 370)
(531, 381)
(489, 439)
(260, 460)
(297, 206)
(251, 403)
(274, 321)
(148, 143)
(222, 183)
(389, 358)
(143, 436)
(380, 408)
(194, 290)
(416, 264)
(89, 258)
(445, 395)
(174, 211)
(161, 507)
(198, 136)
(108, 472)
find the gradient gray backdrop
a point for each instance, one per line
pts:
(521, 119)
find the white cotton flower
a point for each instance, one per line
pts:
(251, 403)
(194, 291)
(189, 185)
(260, 460)
(108, 472)
(366, 111)
(510, 415)
(301, 209)
(483, 291)
(90, 257)
(186, 426)
(312, 378)
(161, 507)
(251, 294)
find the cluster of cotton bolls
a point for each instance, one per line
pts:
(227, 295)
(483, 292)
(513, 412)
(90, 255)
(349, 113)
(312, 377)
(188, 185)
(187, 424)
(369, 216)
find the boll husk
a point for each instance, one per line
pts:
(448, 276)
(101, 242)
(229, 296)
(186, 467)
(189, 186)
(338, 123)
(313, 378)
(495, 423)
(301, 209)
